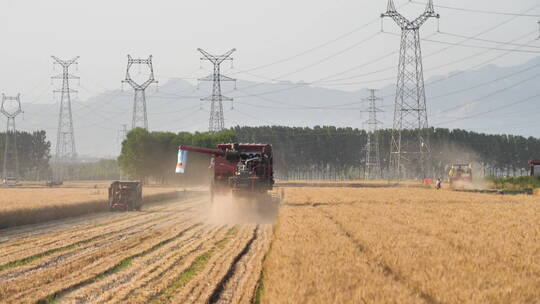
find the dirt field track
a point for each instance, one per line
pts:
(170, 252)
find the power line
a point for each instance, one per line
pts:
(479, 11)
(324, 44)
(481, 47)
(470, 68)
(439, 51)
(321, 80)
(490, 41)
(485, 83)
(520, 82)
(490, 111)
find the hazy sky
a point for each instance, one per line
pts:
(103, 32)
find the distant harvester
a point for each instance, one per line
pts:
(534, 167)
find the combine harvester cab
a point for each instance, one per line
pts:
(125, 196)
(243, 169)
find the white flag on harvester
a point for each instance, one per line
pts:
(182, 160)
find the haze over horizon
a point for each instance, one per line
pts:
(335, 46)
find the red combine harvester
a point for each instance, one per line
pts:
(244, 169)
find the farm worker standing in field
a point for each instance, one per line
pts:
(438, 185)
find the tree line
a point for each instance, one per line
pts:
(322, 152)
(33, 151)
(152, 156)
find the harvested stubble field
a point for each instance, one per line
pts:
(403, 245)
(169, 252)
(25, 205)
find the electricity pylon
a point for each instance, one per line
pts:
(410, 151)
(217, 121)
(65, 138)
(140, 118)
(11, 157)
(373, 161)
(121, 136)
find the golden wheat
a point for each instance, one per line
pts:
(404, 245)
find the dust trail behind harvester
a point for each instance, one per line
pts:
(255, 209)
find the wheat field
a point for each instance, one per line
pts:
(27, 205)
(328, 245)
(403, 245)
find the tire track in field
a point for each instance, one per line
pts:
(233, 268)
(93, 242)
(147, 274)
(22, 233)
(108, 283)
(240, 282)
(174, 275)
(57, 236)
(65, 253)
(196, 284)
(21, 261)
(377, 263)
(105, 263)
(100, 231)
(92, 257)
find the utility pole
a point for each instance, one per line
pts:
(217, 121)
(65, 138)
(410, 151)
(373, 161)
(538, 30)
(11, 107)
(140, 118)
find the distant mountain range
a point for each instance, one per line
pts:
(491, 99)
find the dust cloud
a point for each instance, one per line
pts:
(448, 153)
(235, 209)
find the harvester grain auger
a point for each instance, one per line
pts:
(243, 169)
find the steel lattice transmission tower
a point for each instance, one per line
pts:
(65, 138)
(140, 118)
(217, 121)
(373, 160)
(410, 151)
(11, 157)
(121, 135)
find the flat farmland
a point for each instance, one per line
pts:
(170, 252)
(403, 245)
(36, 204)
(327, 245)
(33, 197)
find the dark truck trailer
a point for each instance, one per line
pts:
(125, 196)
